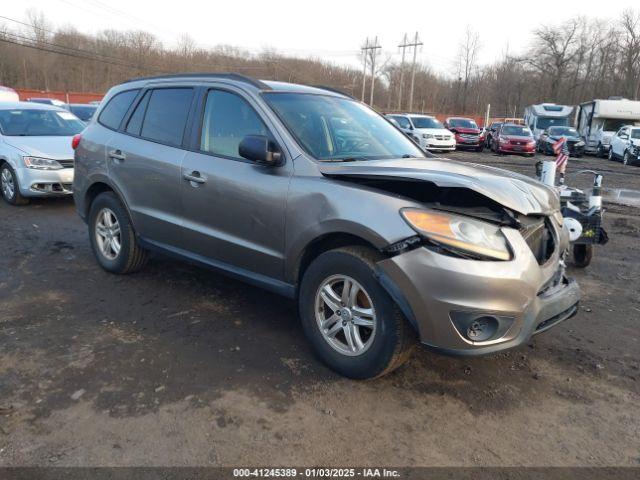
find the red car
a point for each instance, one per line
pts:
(512, 138)
(467, 133)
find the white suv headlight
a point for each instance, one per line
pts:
(41, 163)
(427, 135)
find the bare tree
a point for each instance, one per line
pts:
(630, 40)
(467, 63)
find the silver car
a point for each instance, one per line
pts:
(313, 195)
(36, 155)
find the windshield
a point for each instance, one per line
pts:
(30, 122)
(83, 112)
(462, 123)
(336, 128)
(545, 122)
(426, 122)
(563, 132)
(516, 130)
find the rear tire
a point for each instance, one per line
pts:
(582, 255)
(383, 345)
(626, 157)
(610, 156)
(9, 187)
(113, 239)
(600, 151)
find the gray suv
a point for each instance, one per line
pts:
(311, 194)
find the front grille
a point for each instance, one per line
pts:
(517, 142)
(540, 238)
(443, 137)
(66, 163)
(469, 136)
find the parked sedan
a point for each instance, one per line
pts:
(36, 156)
(552, 134)
(512, 138)
(466, 131)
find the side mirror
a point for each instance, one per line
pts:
(260, 149)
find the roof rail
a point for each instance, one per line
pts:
(228, 76)
(334, 90)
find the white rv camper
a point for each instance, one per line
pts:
(544, 115)
(598, 121)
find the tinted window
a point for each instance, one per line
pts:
(546, 122)
(462, 123)
(166, 115)
(227, 119)
(113, 113)
(135, 122)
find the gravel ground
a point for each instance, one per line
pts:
(179, 366)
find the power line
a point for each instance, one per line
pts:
(416, 43)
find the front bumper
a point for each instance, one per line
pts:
(434, 290)
(45, 183)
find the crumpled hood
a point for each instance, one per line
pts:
(55, 147)
(517, 192)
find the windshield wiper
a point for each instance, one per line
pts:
(408, 155)
(345, 159)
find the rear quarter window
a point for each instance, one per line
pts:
(113, 113)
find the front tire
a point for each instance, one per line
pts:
(352, 323)
(113, 238)
(9, 186)
(626, 158)
(610, 156)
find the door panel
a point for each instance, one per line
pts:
(237, 214)
(149, 179)
(234, 209)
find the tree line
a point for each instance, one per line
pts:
(574, 61)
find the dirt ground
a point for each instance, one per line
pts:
(180, 366)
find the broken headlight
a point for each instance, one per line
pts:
(456, 232)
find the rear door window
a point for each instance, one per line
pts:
(113, 113)
(166, 115)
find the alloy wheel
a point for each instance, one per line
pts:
(345, 315)
(6, 181)
(108, 234)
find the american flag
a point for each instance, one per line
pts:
(561, 149)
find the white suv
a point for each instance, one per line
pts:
(427, 131)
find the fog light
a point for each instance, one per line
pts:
(482, 329)
(478, 327)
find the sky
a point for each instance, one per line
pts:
(333, 30)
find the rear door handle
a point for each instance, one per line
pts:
(194, 177)
(117, 155)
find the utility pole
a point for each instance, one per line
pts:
(370, 49)
(364, 70)
(416, 43)
(403, 46)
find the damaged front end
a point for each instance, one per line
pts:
(479, 275)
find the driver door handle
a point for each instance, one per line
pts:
(194, 177)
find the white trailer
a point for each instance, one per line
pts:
(544, 115)
(597, 121)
